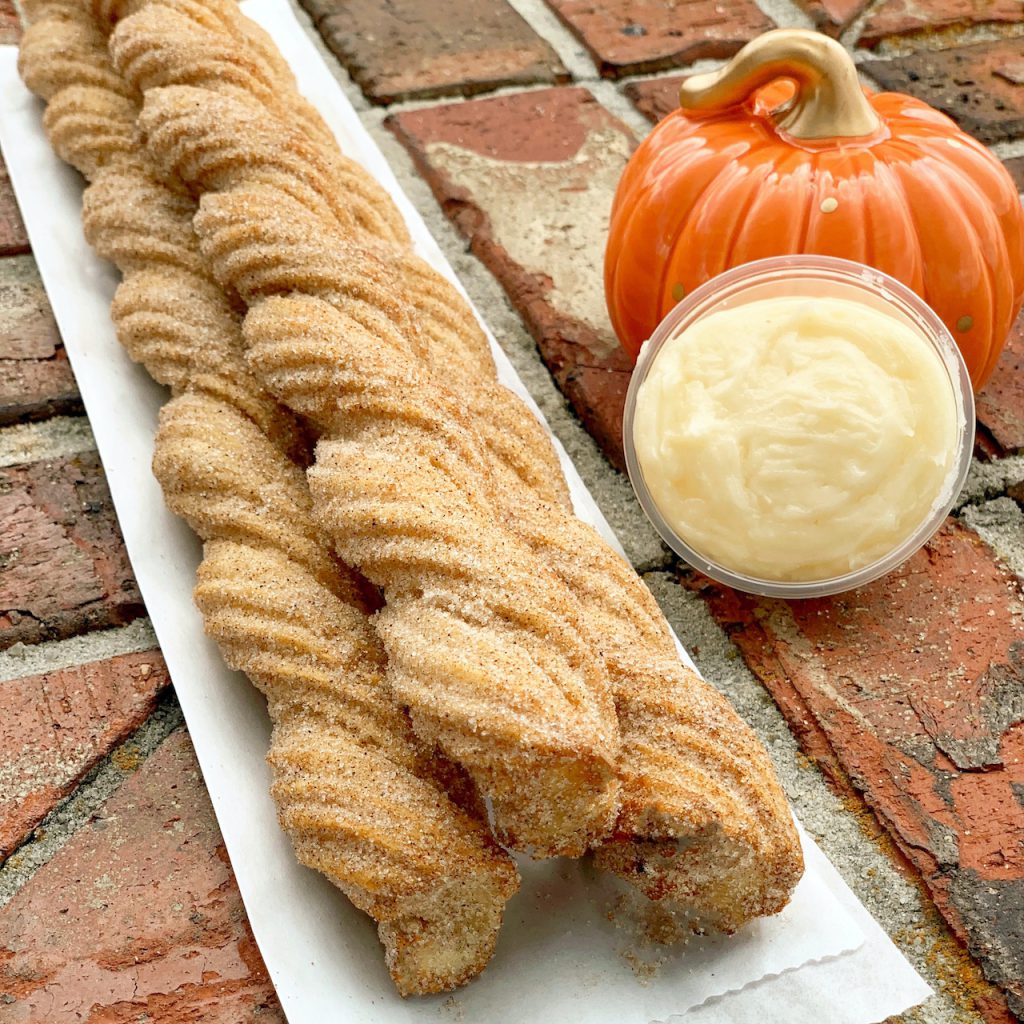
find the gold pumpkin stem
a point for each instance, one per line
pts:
(829, 102)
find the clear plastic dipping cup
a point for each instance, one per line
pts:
(821, 277)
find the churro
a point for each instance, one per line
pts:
(362, 799)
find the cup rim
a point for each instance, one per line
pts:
(807, 267)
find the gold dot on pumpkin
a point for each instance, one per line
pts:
(829, 205)
(678, 291)
(965, 323)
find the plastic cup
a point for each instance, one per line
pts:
(808, 277)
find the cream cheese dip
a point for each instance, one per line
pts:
(797, 438)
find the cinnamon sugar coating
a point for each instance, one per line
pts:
(363, 800)
(522, 644)
(703, 821)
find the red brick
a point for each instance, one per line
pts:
(634, 36)
(13, 238)
(10, 26)
(529, 179)
(917, 683)
(657, 97)
(1015, 165)
(408, 49)
(972, 84)
(1013, 69)
(1001, 404)
(985, 447)
(35, 376)
(56, 726)
(138, 917)
(929, 17)
(63, 567)
(832, 16)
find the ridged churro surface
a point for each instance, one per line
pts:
(523, 646)
(363, 800)
(486, 646)
(703, 821)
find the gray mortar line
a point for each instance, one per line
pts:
(571, 52)
(54, 438)
(1000, 524)
(1008, 148)
(380, 113)
(849, 36)
(22, 660)
(925, 40)
(614, 100)
(86, 801)
(785, 13)
(895, 902)
(990, 479)
(872, 83)
(696, 68)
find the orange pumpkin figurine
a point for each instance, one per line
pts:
(752, 167)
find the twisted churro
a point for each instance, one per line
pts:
(703, 821)
(485, 645)
(361, 798)
(363, 801)
(423, 451)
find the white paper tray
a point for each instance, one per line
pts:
(560, 957)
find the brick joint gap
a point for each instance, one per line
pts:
(75, 811)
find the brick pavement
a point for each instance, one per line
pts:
(12, 231)
(416, 48)
(908, 695)
(979, 86)
(63, 567)
(630, 37)
(138, 916)
(929, 19)
(35, 376)
(59, 724)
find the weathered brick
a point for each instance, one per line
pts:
(10, 26)
(1001, 404)
(832, 16)
(408, 49)
(35, 376)
(1015, 165)
(975, 85)
(656, 97)
(917, 681)
(634, 36)
(13, 239)
(63, 567)
(985, 447)
(138, 917)
(56, 726)
(529, 179)
(932, 17)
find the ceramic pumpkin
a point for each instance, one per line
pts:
(751, 167)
